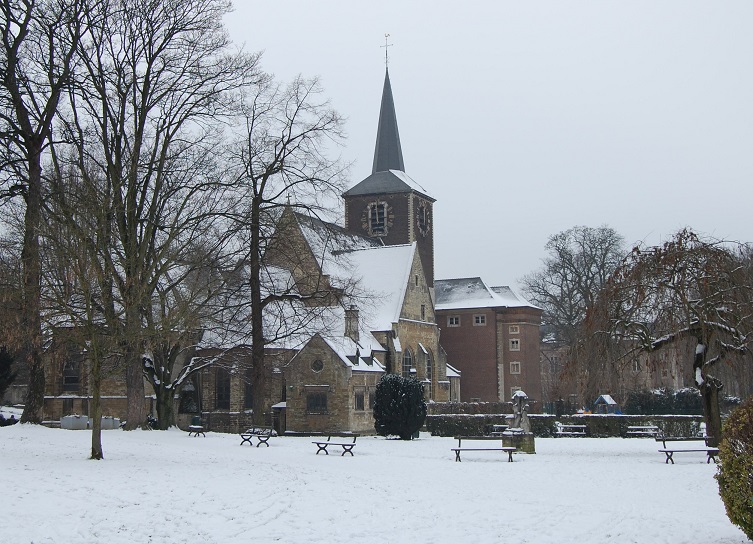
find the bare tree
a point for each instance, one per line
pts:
(39, 40)
(282, 161)
(157, 81)
(688, 289)
(579, 262)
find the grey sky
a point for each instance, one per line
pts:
(524, 119)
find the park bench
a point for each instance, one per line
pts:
(196, 430)
(346, 446)
(651, 431)
(571, 430)
(498, 439)
(196, 427)
(497, 430)
(710, 452)
(261, 433)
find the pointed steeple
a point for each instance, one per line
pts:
(388, 154)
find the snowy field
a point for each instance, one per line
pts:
(167, 487)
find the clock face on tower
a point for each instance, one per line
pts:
(423, 218)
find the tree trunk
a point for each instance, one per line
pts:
(96, 408)
(135, 392)
(709, 388)
(165, 410)
(711, 412)
(258, 384)
(31, 265)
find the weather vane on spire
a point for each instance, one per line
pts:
(386, 47)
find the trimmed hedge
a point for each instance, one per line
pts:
(544, 426)
(735, 475)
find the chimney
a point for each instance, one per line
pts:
(351, 323)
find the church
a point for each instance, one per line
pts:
(327, 382)
(399, 319)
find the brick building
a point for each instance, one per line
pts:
(492, 336)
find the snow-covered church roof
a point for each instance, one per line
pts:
(466, 293)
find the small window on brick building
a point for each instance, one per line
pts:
(479, 320)
(423, 312)
(514, 329)
(514, 344)
(453, 321)
(636, 366)
(316, 403)
(515, 367)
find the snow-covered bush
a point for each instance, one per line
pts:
(735, 475)
(399, 406)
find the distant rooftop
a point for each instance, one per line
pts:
(466, 293)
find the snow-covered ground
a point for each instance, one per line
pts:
(167, 487)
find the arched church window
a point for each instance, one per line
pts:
(248, 396)
(429, 375)
(222, 389)
(407, 363)
(71, 376)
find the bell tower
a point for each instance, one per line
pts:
(389, 204)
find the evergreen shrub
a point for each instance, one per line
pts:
(735, 475)
(399, 406)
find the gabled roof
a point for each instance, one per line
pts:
(353, 355)
(328, 240)
(467, 293)
(383, 274)
(388, 155)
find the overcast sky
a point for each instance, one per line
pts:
(524, 119)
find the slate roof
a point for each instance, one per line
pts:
(388, 171)
(387, 182)
(388, 155)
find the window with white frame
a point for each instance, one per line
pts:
(453, 321)
(515, 367)
(479, 320)
(407, 363)
(514, 329)
(514, 344)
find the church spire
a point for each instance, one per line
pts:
(388, 154)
